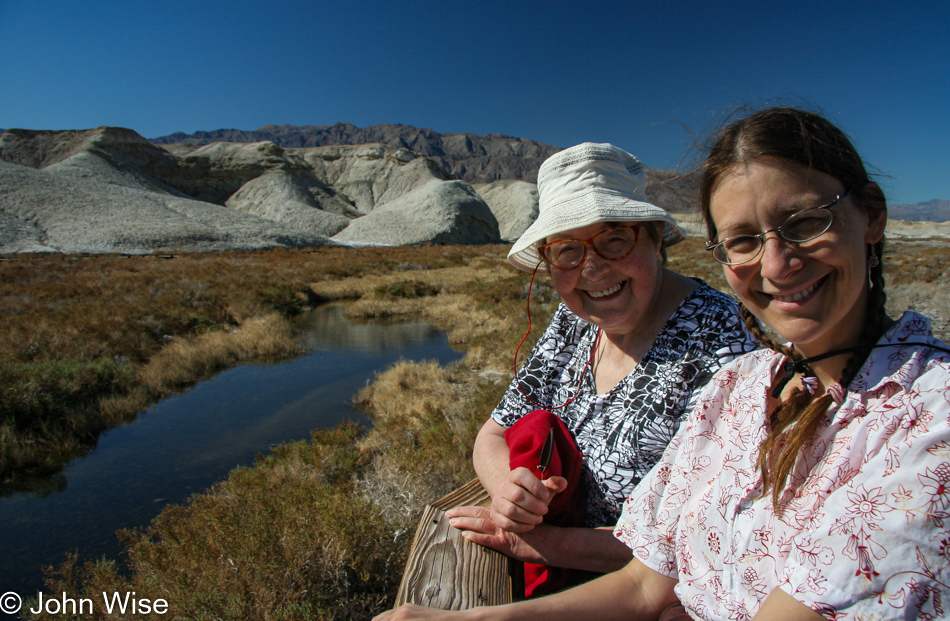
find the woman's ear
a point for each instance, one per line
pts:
(876, 207)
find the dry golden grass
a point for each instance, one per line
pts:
(183, 360)
(462, 300)
(437, 295)
(446, 279)
(690, 258)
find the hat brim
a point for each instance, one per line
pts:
(583, 211)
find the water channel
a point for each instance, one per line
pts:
(189, 441)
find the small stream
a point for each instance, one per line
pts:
(187, 442)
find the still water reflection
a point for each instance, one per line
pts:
(185, 443)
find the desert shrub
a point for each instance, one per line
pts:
(407, 289)
(49, 409)
(32, 391)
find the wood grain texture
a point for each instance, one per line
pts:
(448, 572)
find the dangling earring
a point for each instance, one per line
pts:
(873, 260)
(735, 296)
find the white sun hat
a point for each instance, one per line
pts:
(584, 185)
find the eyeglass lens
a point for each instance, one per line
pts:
(611, 244)
(799, 227)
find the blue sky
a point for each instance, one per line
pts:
(644, 76)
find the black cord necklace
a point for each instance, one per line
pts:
(800, 366)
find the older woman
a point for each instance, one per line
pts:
(627, 349)
(812, 479)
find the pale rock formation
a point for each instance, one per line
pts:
(110, 190)
(19, 235)
(214, 172)
(514, 203)
(370, 175)
(692, 224)
(439, 212)
(280, 197)
(85, 203)
(908, 229)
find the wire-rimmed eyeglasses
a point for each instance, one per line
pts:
(612, 244)
(802, 226)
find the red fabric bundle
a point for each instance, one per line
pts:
(525, 441)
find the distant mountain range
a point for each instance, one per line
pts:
(937, 210)
(469, 157)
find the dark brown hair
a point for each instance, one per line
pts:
(810, 140)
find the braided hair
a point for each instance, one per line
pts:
(808, 139)
(795, 421)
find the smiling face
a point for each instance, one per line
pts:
(813, 294)
(615, 295)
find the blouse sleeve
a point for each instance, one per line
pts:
(650, 517)
(651, 520)
(540, 376)
(880, 544)
(720, 338)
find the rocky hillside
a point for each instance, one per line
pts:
(494, 164)
(110, 190)
(471, 158)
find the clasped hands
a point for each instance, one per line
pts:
(509, 526)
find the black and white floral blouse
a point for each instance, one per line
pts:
(622, 433)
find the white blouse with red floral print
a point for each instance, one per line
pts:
(865, 531)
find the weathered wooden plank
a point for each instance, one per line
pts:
(470, 494)
(448, 572)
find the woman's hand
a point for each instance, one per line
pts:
(477, 526)
(589, 549)
(521, 500)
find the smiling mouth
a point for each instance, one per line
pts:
(605, 292)
(801, 295)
